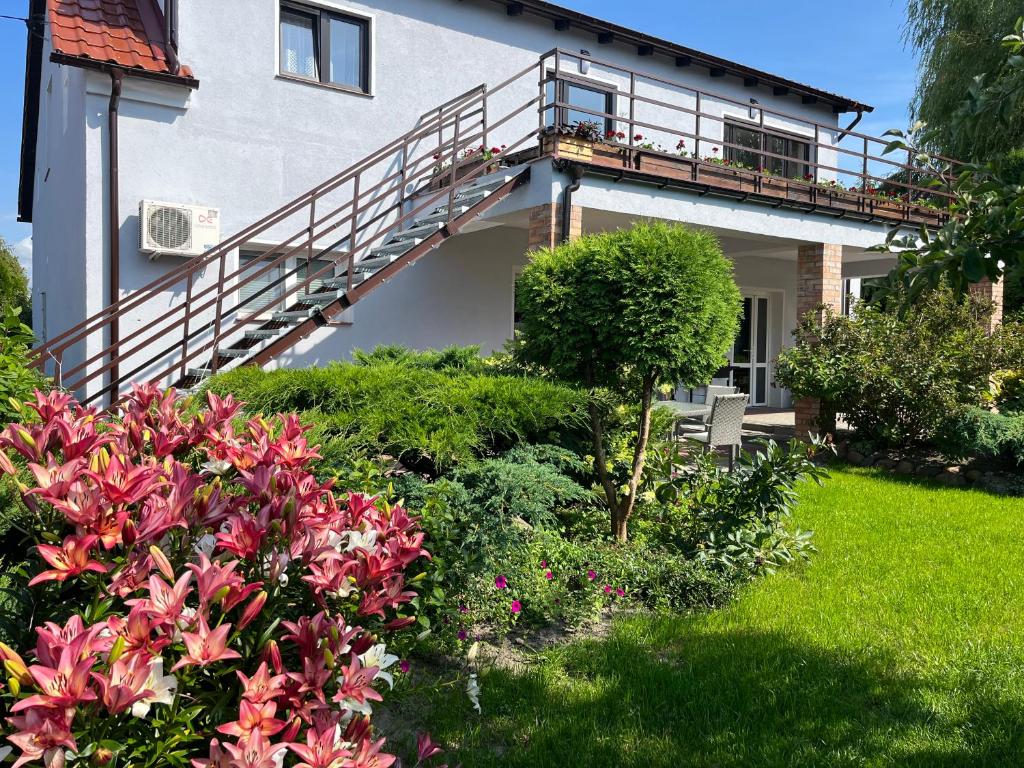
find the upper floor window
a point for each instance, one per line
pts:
(751, 142)
(325, 46)
(587, 98)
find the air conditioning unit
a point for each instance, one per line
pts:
(171, 229)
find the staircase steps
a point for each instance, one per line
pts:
(332, 294)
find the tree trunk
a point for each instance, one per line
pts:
(601, 466)
(643, 434)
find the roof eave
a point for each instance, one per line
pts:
(594, 24)
(105, 66)
(30, 111)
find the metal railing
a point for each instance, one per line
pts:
(345, 217)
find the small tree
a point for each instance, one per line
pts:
(625, 311)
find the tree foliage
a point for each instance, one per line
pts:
(958, 42)
(625, 311)
(14, 291)
(984, 236)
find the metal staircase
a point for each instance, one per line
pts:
(334, 245)
(340, 291)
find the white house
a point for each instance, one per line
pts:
(297, 147)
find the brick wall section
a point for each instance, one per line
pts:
(819, 281)
(986, 289)
(546, 225)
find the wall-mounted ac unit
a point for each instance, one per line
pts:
(178, 230)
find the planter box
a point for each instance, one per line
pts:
(465, 167)
(659, 164)
(569, 147)
(727, 178)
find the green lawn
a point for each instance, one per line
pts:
(901, 644)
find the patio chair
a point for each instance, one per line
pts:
(711, 391)
(725, 427)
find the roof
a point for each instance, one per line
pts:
(99, 34)
(124, 33)
(607, 32)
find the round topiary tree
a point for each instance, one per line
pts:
(629, 310)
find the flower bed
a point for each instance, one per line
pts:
(199, 597)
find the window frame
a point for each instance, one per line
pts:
(730, 153)
(561, 84)
(321, 16)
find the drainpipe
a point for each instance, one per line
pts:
(576, 172)
(114, 223)
(843, 134)
(170, 30)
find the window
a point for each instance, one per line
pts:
(252, 262)
(325, 46)
(751, 142)
(592, 98)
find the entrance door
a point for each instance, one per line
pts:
(748, 359)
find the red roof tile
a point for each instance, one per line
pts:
(128, 33)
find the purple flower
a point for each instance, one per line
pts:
(463, 608)
(591, 575)
(543, 563)
(549, 575)
(500, 582)
(607, 589)
(462, 634)
(403, 665)
(516, 606)
(620, 592)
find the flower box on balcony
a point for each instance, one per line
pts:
(442, 176)
(569, 147)
(660, 164)
(726, 177)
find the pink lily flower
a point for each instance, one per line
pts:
(206, 646)
(262, 686)
(42, 733)
(68, 560)
(254, 718)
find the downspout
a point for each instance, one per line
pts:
(845, 132)
(170, 32)
(576, 172)
(114, 222)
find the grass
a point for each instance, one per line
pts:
(901, 644)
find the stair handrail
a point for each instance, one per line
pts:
(446, 116)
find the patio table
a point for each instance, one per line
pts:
(683, 411)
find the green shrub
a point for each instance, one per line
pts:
(626, 311)
(448, 359)
(431, 420)
(982, 434)
(896, 377)
(17, 380)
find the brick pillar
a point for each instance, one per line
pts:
(993, 292)
(819, 268)
(546, 225)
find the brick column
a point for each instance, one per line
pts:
(819, 268)
(993, 292)
(546, 225)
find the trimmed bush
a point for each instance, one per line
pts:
(432, 420)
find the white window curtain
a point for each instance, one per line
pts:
(346, 53)
(298, 45)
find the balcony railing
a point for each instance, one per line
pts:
(675, 134)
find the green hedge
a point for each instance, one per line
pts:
(977, 433)
(432, 419)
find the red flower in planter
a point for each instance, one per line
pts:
(638, 137)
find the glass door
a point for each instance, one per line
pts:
(748, 359)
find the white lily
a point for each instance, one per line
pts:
(163, 688)
(377, 656)
(361, 540)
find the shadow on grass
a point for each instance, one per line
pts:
(1014, 486)
(661, 693)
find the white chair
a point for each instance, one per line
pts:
(725, 427)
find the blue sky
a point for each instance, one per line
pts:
(852, 48)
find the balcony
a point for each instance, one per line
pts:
(638, 126)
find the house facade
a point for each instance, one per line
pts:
(326, 175)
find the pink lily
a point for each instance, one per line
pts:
(68, 560)
(206, 646)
